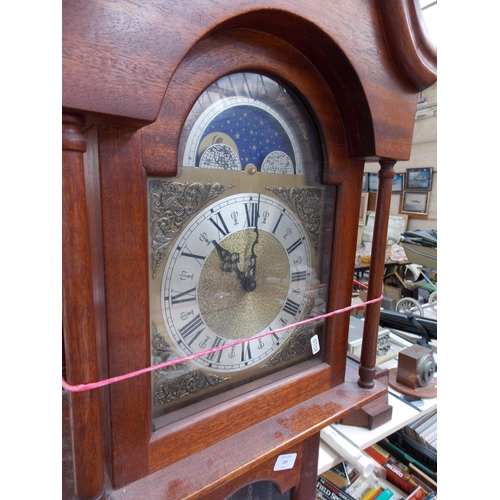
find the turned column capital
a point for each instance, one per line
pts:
(72, 138)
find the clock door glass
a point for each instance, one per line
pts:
(239, 245)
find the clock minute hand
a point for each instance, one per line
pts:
(250, 282)
(253, 256)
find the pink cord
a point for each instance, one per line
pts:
(102, 383)
(362, 285)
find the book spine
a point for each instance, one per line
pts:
(385, 495)
(372, 493)
(417, 494)
(330, 491)
(396, 472)
(378, 454)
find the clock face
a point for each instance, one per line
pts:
(241, 267)
(239, 244)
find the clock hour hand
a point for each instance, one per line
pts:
(230, 263)
(229, 260)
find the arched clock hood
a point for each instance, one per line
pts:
(118, 59)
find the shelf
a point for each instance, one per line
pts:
(403, 413)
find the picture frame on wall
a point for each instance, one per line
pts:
(398, 183)
(372, 182)
(418, 179)
(415, 202)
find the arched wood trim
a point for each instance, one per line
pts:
(250, 50)
(410, 45)
(329, 59)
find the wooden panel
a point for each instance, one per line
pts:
(213, 425)
(125, 264)
(196, 476)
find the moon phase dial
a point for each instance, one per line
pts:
(248, 119)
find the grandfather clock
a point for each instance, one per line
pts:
(213, 156)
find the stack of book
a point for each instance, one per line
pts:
(406, 478)
(405, 472)
(343, 482)
(419, 440)
(424, 430)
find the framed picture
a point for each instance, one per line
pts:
(364, 187)
(398, 183)
(418, 179)
(372, 182)
(395, 228)
(415, 202)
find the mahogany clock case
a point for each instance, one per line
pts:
(127, 158)
(130, 80)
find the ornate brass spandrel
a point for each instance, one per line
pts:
(179, 380)
(306, 203)
(171, 205)
(171, 389)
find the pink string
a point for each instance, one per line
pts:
(362, 285)
(95, 385)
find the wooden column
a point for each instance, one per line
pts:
(375, 283)
(309, 469)
(79, 318)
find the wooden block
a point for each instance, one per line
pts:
(372, 415)
(416, 366)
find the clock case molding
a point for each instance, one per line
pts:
(130, 77)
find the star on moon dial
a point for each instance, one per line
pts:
(241, 267)
(238, 131)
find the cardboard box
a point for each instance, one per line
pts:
(392, 292)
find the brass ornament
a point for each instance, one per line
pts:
(179, 380)
(306, 203)
(171, 205)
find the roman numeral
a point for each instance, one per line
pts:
(190, 330)
(277, 224)
(299, 276)
(293, 246)
(186, 296)
(222, 230)
(291, 307)
(274, 335)
(252, 214)
(245, 351)
(199, 258)
(218, 342)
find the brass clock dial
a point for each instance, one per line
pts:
(236, 243)
(240, 267)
